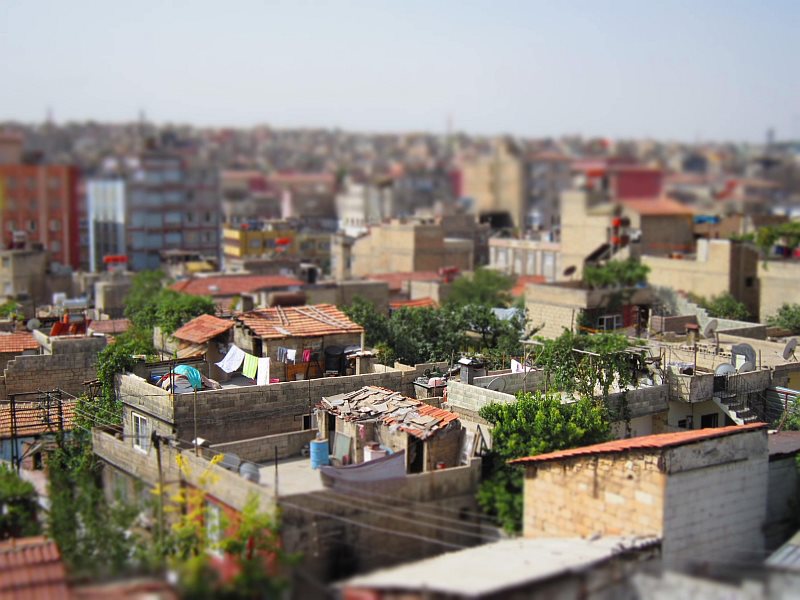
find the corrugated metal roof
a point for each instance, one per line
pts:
(31, 568)
(646, 442)
(298, 321)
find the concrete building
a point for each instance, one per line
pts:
(40, 205)
(716, 267)
(307, 197)
(275, 240)
(547, 175)
(778, 284)
(523, 257)
(227, 290)
(704, 493)
(106, 217)
(402, 246)
(496, 184)
(23, 274)
(361, 205)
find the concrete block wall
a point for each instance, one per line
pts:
(511, 383)
(690, 388)
(465, 397)
(262, 449)
(782, 489)
(617, 494)
(642, 402)
(29, 373)
(716, 500)
(550, 319)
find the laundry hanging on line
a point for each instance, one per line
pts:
(233, 359)
(250, 366)
(263, 372)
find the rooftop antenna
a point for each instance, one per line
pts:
(788, 351)
(711, 330)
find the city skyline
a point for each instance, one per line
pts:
(710, 72)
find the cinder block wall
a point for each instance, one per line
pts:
(617, 494)
(48, 372)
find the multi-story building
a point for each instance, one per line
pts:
(39, 205)
(547, 174)
(275, 240)
(165, 204)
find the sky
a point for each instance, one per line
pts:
(694, 70)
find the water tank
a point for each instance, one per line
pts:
(334, 359)
(319, 453)
(373, 453)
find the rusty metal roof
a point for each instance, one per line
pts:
(645, 442)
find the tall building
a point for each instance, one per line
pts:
(39, 206)
(164, 204)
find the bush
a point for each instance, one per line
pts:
(787, 317)
(624, 273)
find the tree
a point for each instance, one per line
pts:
(375, 323)
(535, 424)
(486, 287)
(624, 273)
(10, 309)
(725, 306)
(18, 504)
(173, 309)
(787, 317)
(141, 303)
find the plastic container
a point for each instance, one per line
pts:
(373, 453)
(319, 453)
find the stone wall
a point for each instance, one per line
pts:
(617, 494)
(262, 449)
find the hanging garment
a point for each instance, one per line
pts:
(281, 354)
(263, 372)
(233, 359)
(307, 355)
(518, 367)
(250, 366)
(290, 355)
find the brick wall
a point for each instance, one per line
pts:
(48, 372)
(611, 495)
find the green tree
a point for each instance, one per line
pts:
(625, 273)
(141, 303)
(173, 309)
(93, 536)
(18, 505)
(725, 306)
(11, 309)
(787, 317)
(486, 287)
(535, 424)
(375, 323)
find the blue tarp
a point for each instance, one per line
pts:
(192, 374)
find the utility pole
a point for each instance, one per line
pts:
(156, 438)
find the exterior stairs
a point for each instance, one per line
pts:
(736, 408)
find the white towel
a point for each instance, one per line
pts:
(291, 354)
(263, 372)
(517, 367)
(233, 359)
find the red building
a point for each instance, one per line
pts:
(39, 204)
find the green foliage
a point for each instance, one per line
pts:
(92, 535)
(375, 323)
(10, 309)
(625, 273)
(723, 306)
(173, 309)
(787, 317)
(18, 504)
(787, 233)
(486, 287)
(534, 424)
(141, 304)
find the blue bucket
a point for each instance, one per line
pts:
(319, 453)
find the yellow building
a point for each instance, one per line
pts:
(277, 239)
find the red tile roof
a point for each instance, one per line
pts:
(298, 321)
(396, 280)
(232, 285)
(646, 442)
(444, 417)
(657, 207)
(110, 326)
(17, 342)
(522, 281)
(31, 568)
(32, 419)
(203, 328)
(419, 303)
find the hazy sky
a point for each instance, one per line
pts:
(686, 70)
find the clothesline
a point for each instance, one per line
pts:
(253, 367)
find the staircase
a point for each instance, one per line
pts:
(736, 408)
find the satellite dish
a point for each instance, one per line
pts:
(745, 350)
(710, 329)
(33, 323)
(250, 472)
(788, 351)
(498, 384)
(570, 271)
(725, 369)
(747, 366)
(230, 461)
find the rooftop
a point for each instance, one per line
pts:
(110, 326)
(783, 443)
(492, 568)
(298, 321)
(371, 402)
(33, 419)
(647, 442)
(232, 285)
(203, 328)
(32, 568)
(418, 303)
(662, 206)
(396, 280)
(19, 341)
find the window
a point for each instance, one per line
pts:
(31, 225)
(609, 322)
(749, 281)
(55, 225)
(709, 420)
(6, 262)
(55, 246)
(213, 525)
(141, 433)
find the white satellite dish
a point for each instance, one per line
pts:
(746, 366)
(33, 323)
(498, 384)
(725, 369)
(788, 351)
